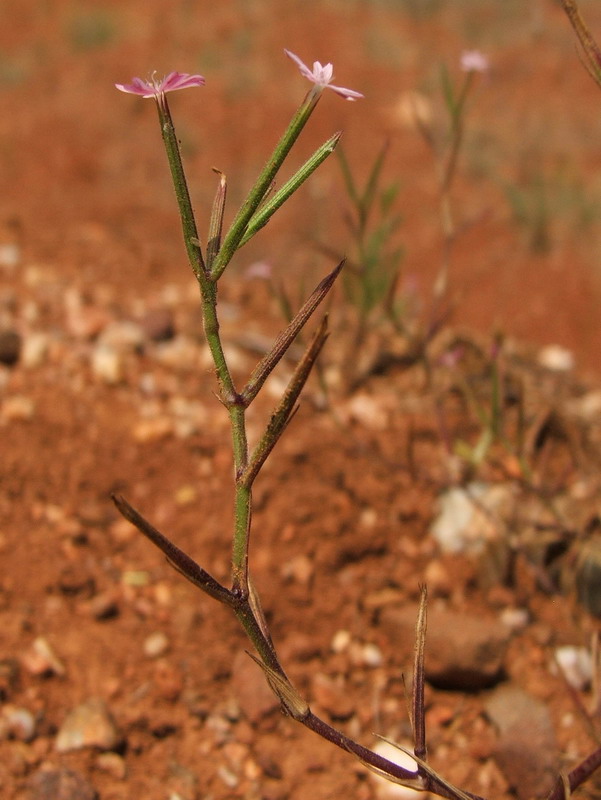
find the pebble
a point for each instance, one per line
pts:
(107, 364)
(556, 358)
(181, 352)
(368, 411)
(59, 784)
(10, 347)
(34, 349)
(82, 321)
(41, 659)
(152, 430)
(135, 577)
(103, 605)
(156, 644)
(10, 255)
(123, 336)
(17, 723)
(168, 681)
(576, 664)
(526, 751)
(385, 789)
(371, 656)
(470, 517)
(516, 619)
(299, 569)
(463, 652)
(340, 641)
(158, 325)
(113, 764)
(88, 725)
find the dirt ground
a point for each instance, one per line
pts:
(105, 386)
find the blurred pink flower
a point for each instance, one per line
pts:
(259, 269)
(156, 88)
(474, 61)
(321, 76)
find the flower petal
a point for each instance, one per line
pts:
(304, 69)
(137, 86)
(321, 76)
(180, 80)
(154, 88)
(474, 61)
(348, 94)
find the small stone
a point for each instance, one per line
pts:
(103, 605)
(371, 656)
(368, 411)
(18, 723)
(40, 659)
(464, 652)
(340, 641)
(107, 364)
(388, 790)
(152, 430)
(123, 336)
(135, 577)
(180, 352)
(516, 619)
(168, 680)
(576, 664)
(10, 347)
(556, 358)
(470, 517)
(526, 751)
(59, 784)
(34, 350)
(113, 764)
(156, 644)
(10, 255)
(299, 569)
(158, 325)
(437, 579)
(88, 725)
(83, 321)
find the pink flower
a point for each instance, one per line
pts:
(322, 76)
(155, 88)
(474, 61)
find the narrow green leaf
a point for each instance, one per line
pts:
(232, 239)
(349, 181)
(268, 209)
(369, 193)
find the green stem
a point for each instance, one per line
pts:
(208, 287)
(181, 192)
(237, 229)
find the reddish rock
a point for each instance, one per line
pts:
(462, 651)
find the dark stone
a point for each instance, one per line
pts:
(10, 347)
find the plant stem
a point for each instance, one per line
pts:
(237, 229)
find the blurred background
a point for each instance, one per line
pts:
(84, 182)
